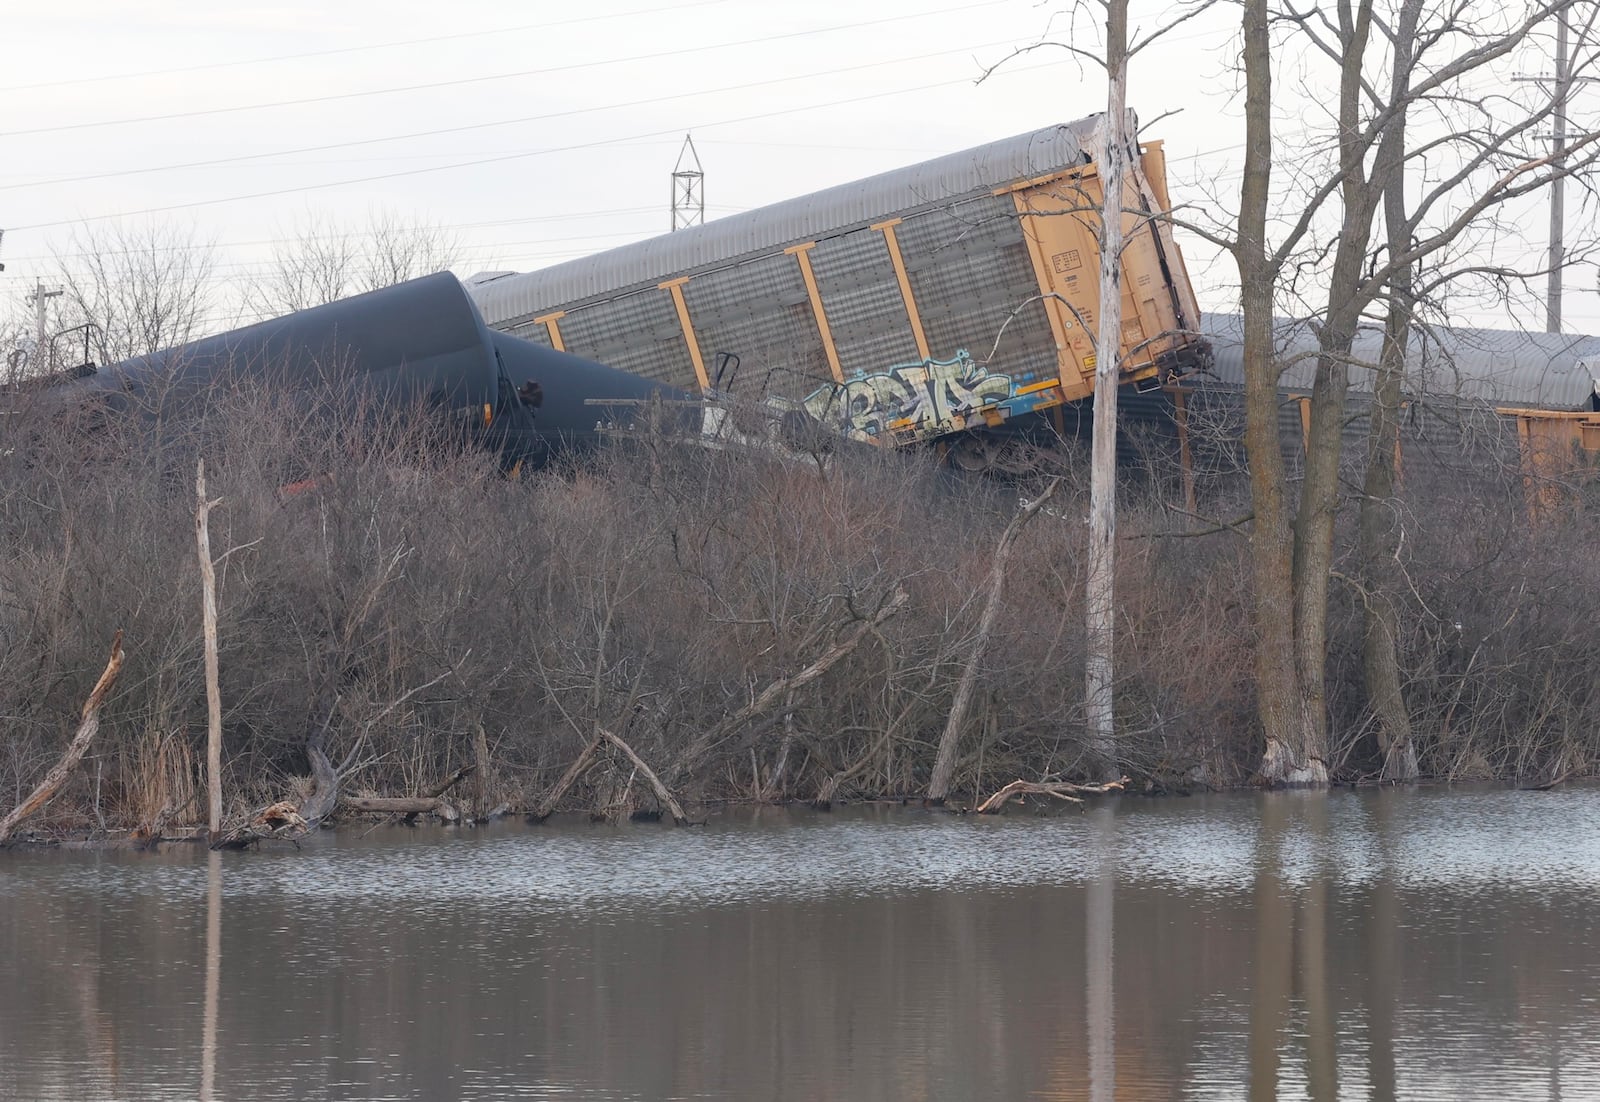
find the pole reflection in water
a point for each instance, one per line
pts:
(1100, 913)
(208, 1043)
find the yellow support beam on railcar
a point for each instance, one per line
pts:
(675, 288)
(799, 252)
(549, 323)
(893, 243)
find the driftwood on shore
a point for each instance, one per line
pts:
(283, 820)
(279, 820)
(1059, 790)
(88, 725)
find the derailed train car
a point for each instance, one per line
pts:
(947, 301)
(416, 344)
(954, 301)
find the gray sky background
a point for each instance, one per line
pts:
(538, 132)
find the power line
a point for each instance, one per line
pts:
(576, 111)
(361, 49)
(611, 212)
(514, 156)
(321, 238)
(209, 111)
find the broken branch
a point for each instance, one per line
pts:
(88, 725)
(1059, 790)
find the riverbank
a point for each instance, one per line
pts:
(741, 628)
(1022, 806)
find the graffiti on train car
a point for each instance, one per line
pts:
(910, 401)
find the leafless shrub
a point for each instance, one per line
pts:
(390, 587)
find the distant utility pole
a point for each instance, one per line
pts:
(40, 298)
(1558, 142)
(688, 188)
(1564, 81)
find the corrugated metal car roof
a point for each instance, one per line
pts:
(972, 172)
(1503, 367)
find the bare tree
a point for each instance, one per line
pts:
(138, 287)
(1475, 159)
(397, 249)
(322, 261)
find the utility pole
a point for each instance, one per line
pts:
(1564, 81)
(688, 188)
(1558, 142)
(40, 298)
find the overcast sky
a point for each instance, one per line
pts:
(538, 131)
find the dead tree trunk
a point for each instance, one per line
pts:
(430, 802)
(480, 787)
(451, 781)
(1099, 596)
(324, 797)
(664, 796)
(88, 725)
(208, 607)
(944, 763)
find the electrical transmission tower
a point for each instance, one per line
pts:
(688, 188)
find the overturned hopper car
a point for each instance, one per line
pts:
(939, 302)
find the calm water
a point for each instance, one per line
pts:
(1376, 945)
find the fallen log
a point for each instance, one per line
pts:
(88, 725)
(393, 805)
(548, 805)
(662, 795)
(944, 761)
(451, 781)
(1059, 790)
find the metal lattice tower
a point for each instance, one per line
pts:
(688, 188)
